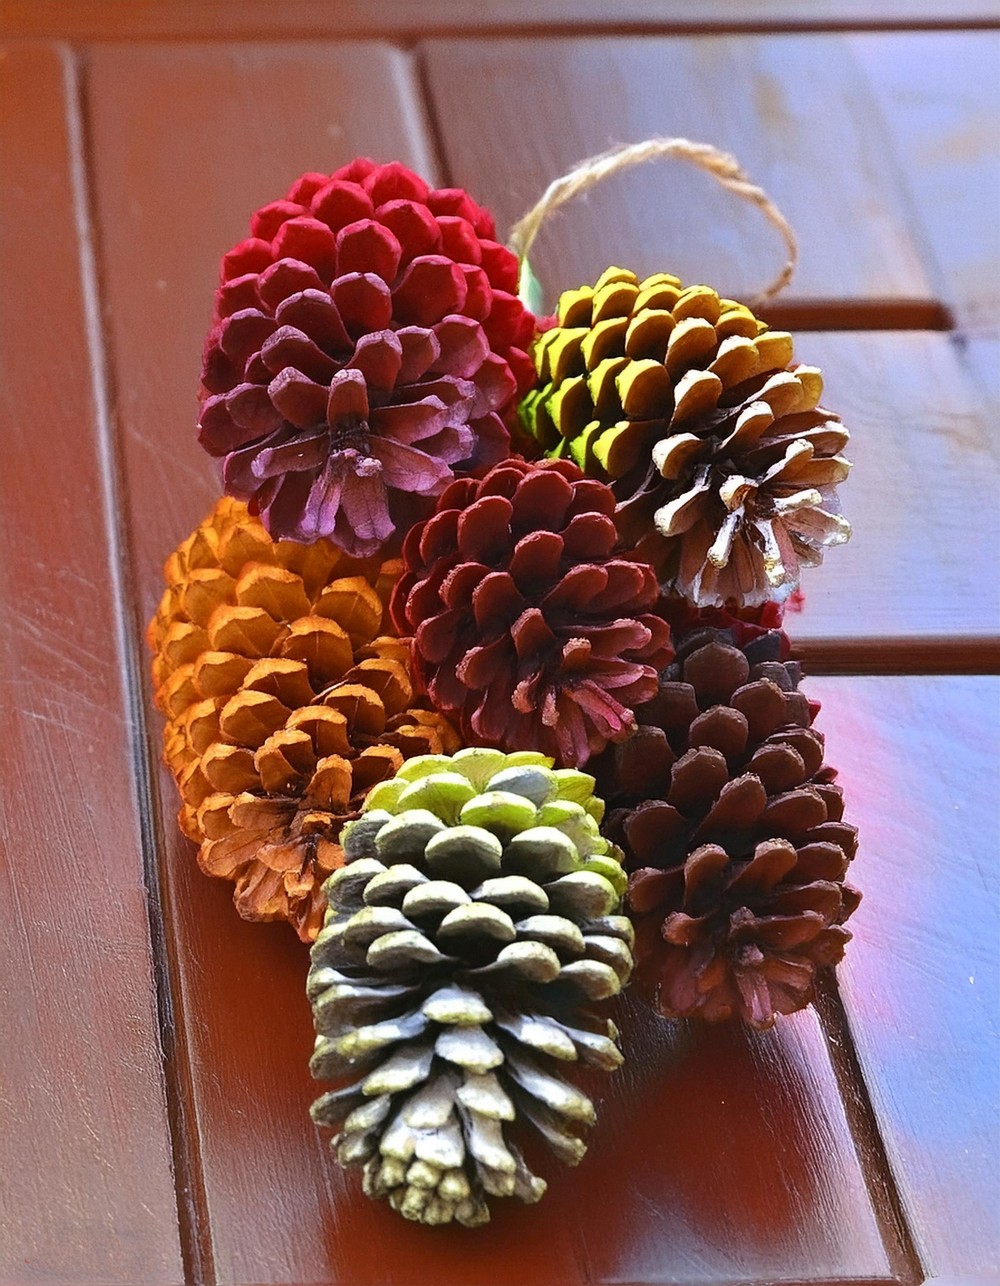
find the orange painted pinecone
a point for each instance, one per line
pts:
(285, 704)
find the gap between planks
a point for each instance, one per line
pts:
(192, 1220)
(254, 20)
(887, 656)
(884, 1195)
(857, 314)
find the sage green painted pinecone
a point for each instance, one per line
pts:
(468, 938)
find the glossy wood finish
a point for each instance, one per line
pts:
(921, 981)
(939, 97)
(793, 108)
(86, 1191)
(240, 986)
(168, 210)
(830, 1151)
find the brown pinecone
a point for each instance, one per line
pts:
(722, 462)
(285, 704)
(738, 852)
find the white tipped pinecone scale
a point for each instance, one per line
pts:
(468, 939)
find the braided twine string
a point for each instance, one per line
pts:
(721, 165)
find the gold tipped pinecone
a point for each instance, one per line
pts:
(285, 704)
(723, 464)
(469, 936)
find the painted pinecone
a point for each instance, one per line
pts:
(733, 833)
(527, 625)
(723, 463)
(367, 344)
(469, 937)
(285, 704)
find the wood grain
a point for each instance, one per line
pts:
(86, 1191)
(939, 95)
(917, 587)
(796, 110)
(921, 981)
(227, 18)
(749, 1181)
(187, 143)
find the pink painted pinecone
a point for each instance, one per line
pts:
(367, 345)
(528, 626)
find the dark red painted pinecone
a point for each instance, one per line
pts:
(528, 627)
(732, 831)
(367, 344)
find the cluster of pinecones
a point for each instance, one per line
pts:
(475, 674)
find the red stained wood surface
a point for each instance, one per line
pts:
(854, 1146)
(86, 1192)
(240, 986)
(187, 142)
(273, 1204)
(921, 981)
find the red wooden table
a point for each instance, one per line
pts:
(153, 1047)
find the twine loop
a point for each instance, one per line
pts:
(721, 165)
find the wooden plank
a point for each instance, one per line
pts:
(85, 1185)
(725, 1157)
(939, 95)
(758, 1186)
(187, 141)
(921, 981)
(115, 19)
(917, 587)
(794, 109)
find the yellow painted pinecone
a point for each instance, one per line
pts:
(723, 464)
(285, 704)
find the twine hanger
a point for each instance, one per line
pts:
(721, 165)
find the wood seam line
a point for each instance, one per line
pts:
(883, 1191)
(96, 32)
(901, 655)
(189, 1189)
(870, 313)
(802, 314)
